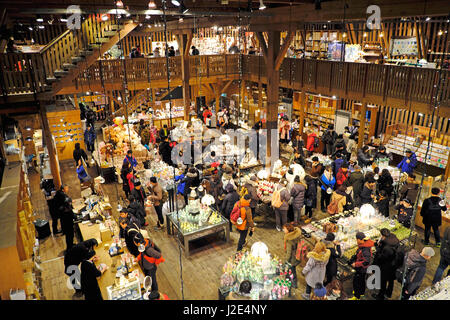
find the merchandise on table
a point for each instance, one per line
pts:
(125, 289)
(439, 291)
(165, 114)
(258, 267)
(163, 172)
(195, 216)
(325, 160)
(265, 190)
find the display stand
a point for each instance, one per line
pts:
(185, 237)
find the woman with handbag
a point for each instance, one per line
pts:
(315, 268)
(292, 236)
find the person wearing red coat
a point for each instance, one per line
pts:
(310, 141)
(206, 113)
(342, 175)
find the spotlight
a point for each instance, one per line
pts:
(180, 20)
(147, 17)
(30, 28)
(176, 3)
(440, 33)
(365, 35)
(151, 4)
(261, 5)
(29, 139)
(104, 17)
(119, 3)
(39, 19)
(41, 27)
(63, 19)
(428, 19)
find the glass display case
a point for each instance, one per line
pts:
(196, 221)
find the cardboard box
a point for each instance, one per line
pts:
(105, 234)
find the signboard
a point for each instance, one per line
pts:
(404, 47)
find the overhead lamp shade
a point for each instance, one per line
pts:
(176, 3)
(119, 3)
(261, 5)
(151, 4)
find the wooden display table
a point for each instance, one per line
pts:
(108, 278)
(184, 238)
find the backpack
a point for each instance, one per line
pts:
(316, 142)
(333, 207)
(235, 214)
(434, 206)
(276, 198)
(302, 252)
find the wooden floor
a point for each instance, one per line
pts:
(201, 272)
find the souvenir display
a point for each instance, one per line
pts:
(438, 291)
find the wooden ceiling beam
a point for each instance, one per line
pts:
(283, 50)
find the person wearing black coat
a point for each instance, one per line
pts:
(126, 169)
(364, 158)
(64, 204)
(79, 153)
(136, 210)
(384, 257)
(367, 193)
(229, 201)
(138, 193)
(332, 266)
(75, 255)
(165, 151)
(89, 274)
(386, 183)
(431, 213)
(130, 231)
(191, 180)
(382, 203)
(310, 195)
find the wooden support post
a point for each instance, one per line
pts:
(218, 92)
(48, 139)
(184, 42)
(260, 96)
(75, 101)
(273, 85)
(301, 119)
(362, 124)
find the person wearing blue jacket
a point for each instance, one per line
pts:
(326, 181)
(408, 163)
(181, 184)
(89, 138)
(129, 158)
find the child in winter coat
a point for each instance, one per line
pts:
(315, 268)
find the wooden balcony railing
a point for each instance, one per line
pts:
(384, 84)
(154, 69)
(356, 80)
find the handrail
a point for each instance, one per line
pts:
(51, 43)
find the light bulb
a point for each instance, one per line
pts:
(119, 3)
(151, 5)
(176, 3)
(261, 5)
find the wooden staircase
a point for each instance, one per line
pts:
(136, 101)
(70, 54)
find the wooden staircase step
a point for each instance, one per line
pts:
(51, 79)
(115, 27)
(95, 46)
(85, 53)
(67, 66)
(60, 73)
(110, 33)
(102, 40)
(76, 59)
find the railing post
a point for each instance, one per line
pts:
(386, 79)
(408, 86)
(366, 67)
(207, 66)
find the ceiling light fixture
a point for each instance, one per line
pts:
(183, 8)
(176, 3)
(261, 5)
(63, 19)
(180, 20)
(41, 27)
(30, 28)
(104, 17)
(147, 17)
(151, 4)
(428, 19)
(119, 3)
(39, 19)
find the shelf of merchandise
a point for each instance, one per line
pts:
(317, 42)
(372, 51)
(315, 104)
(438, 155)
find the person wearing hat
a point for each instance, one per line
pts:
(385, 254)
(409, 162)
(319, 292)
(416, 267)
(89, 275)
(360, 261)
(405, 212)
(149, 258)
(138, 192)
(335, 253)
